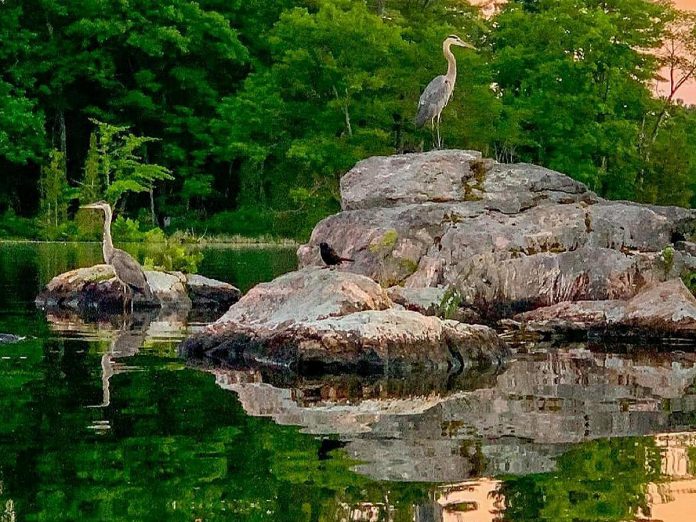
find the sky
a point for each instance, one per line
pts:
(688, 91)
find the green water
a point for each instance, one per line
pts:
(104, 422)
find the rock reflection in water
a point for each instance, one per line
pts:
(517, 422)
(157, 323)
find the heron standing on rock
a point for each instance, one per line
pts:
(128, 271)
(439, 91)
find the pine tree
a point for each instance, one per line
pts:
(55, 191)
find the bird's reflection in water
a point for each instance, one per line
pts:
(126, 342)
(126, 334)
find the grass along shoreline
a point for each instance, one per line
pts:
(212, 241)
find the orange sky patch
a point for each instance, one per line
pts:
(688, 92)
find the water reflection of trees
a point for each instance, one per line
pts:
(180, 447)
(562, 430)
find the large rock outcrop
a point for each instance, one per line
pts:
(507, 237)
(325, 320)
(96, 289)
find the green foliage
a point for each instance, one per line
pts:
(171, 253)
(603, 480)
(55, 191)
(578, 84)
(120, 158)
(342, 85)
(162, 253)
(450, 304)
(689, 279)
(91, 188)
(126, 229)
(667, 256)
(13, 226)
(668, 176)
(253, 110)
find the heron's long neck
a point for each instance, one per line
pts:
(108, 245)
(451, 63)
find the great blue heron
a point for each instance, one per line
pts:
(128, 271)
(439, 91)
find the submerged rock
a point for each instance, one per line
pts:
(659, 309)
(324, 320)
(10, 338)
(506, 237)
(97, 289)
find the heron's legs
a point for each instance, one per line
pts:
(432, 131)
(439, 141)
(127, 298)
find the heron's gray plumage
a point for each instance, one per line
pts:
(434, 98)
(129, 272)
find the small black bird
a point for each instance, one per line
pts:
(329, 255)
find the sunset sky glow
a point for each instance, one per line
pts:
(688, 91)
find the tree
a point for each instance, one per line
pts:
(575, 80)
(91, 186)
(669, 168)
(55, 191)
(120, 157)
(677, 55)
(343, 85)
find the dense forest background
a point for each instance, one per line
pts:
(240, 116)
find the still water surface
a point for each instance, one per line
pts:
(104, 422)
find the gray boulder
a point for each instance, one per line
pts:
(507, 238)
(427, 301)
(97, 289)
(326, 320)
(436, 301)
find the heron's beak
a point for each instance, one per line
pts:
(467, 45)
(91, 205)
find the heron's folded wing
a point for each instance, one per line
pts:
(434, 98)
(128, 269)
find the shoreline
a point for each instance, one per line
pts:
(282, 243)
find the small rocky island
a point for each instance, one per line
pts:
(449, 251)
(445, 239)
(96, 289)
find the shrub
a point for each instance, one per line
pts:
(14, 226)
(170, 253)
